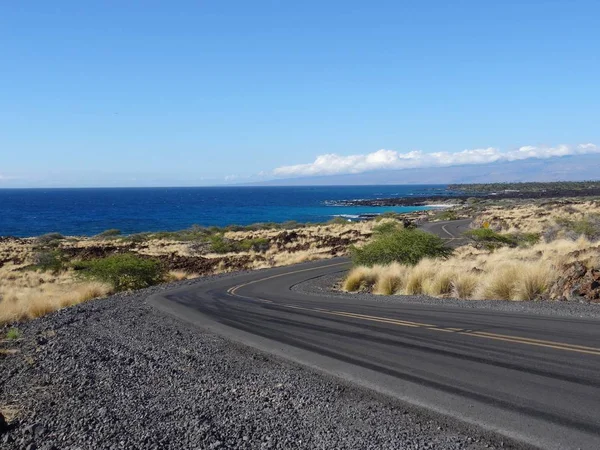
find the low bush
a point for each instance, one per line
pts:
(137, 237)
(13, 334)
(257, 245)
(123, 272)
(109, 234)
(220, 244)
(589, 226)
(489, 239)
(337, 221)
(49, 261)
(388, 215)
(446, 215)
(526, 239)
(387, 227)
(49, 240)
(403, 246)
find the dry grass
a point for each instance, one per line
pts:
(533, 218)
(418, 276)
(440, 284)
(10, 412)
(505, 274)
(28, 294)
(358, 278)
(463, 285)
(180, 275)
(389, 280)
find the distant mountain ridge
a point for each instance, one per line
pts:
(566, 168)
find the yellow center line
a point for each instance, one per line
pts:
(556, 345)
(540, 341)
(405, 323)
(232, 290)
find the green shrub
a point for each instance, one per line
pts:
(194, 233)
(403, 246)
(337, 221)
(386, 227)
(219, 244)
(526, 239)
(49, 240)
(49, 261)
(123, 272)
(137, 238)
(446, 215)
(109, 234)
(257, 244)
(291, 224)
(589, 226)
(13, 334)
(488, 238)
(388, 215)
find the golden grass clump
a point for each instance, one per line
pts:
(533, 283)
(417, 276)
(499, 284)
(359, 277)
(28, 294)
(180, 275)
(464, 285)
(440, 283)
(389, 279)
(503, 274)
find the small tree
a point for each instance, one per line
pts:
(123, 272)
(403, 246)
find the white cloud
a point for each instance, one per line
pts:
(331, 164)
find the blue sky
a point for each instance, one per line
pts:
(199, 92)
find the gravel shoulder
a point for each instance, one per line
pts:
(325, 286)
(116, 374)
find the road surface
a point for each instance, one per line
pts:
(528, 377)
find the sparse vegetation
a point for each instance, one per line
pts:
(36, 279)
(555, 186)
(506, 273)
(37, 276)
(49, 261)
(385, 227)
(588, 226)
(49, 239)
(13, 334)
(27, 294)
(448, 214)
(489, 239)
(219, 244)
(108, 234)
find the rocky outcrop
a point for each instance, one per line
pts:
(96, 251)
(577, 283)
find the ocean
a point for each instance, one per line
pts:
(86, 212)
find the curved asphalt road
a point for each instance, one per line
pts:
(529, 377)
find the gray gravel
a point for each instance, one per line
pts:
(326, 286)
(115, 374)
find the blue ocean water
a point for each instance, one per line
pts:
(31, 212)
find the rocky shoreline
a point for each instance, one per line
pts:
(460, 199)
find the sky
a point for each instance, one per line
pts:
(148, 93)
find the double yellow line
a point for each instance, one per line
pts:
(405, 323)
